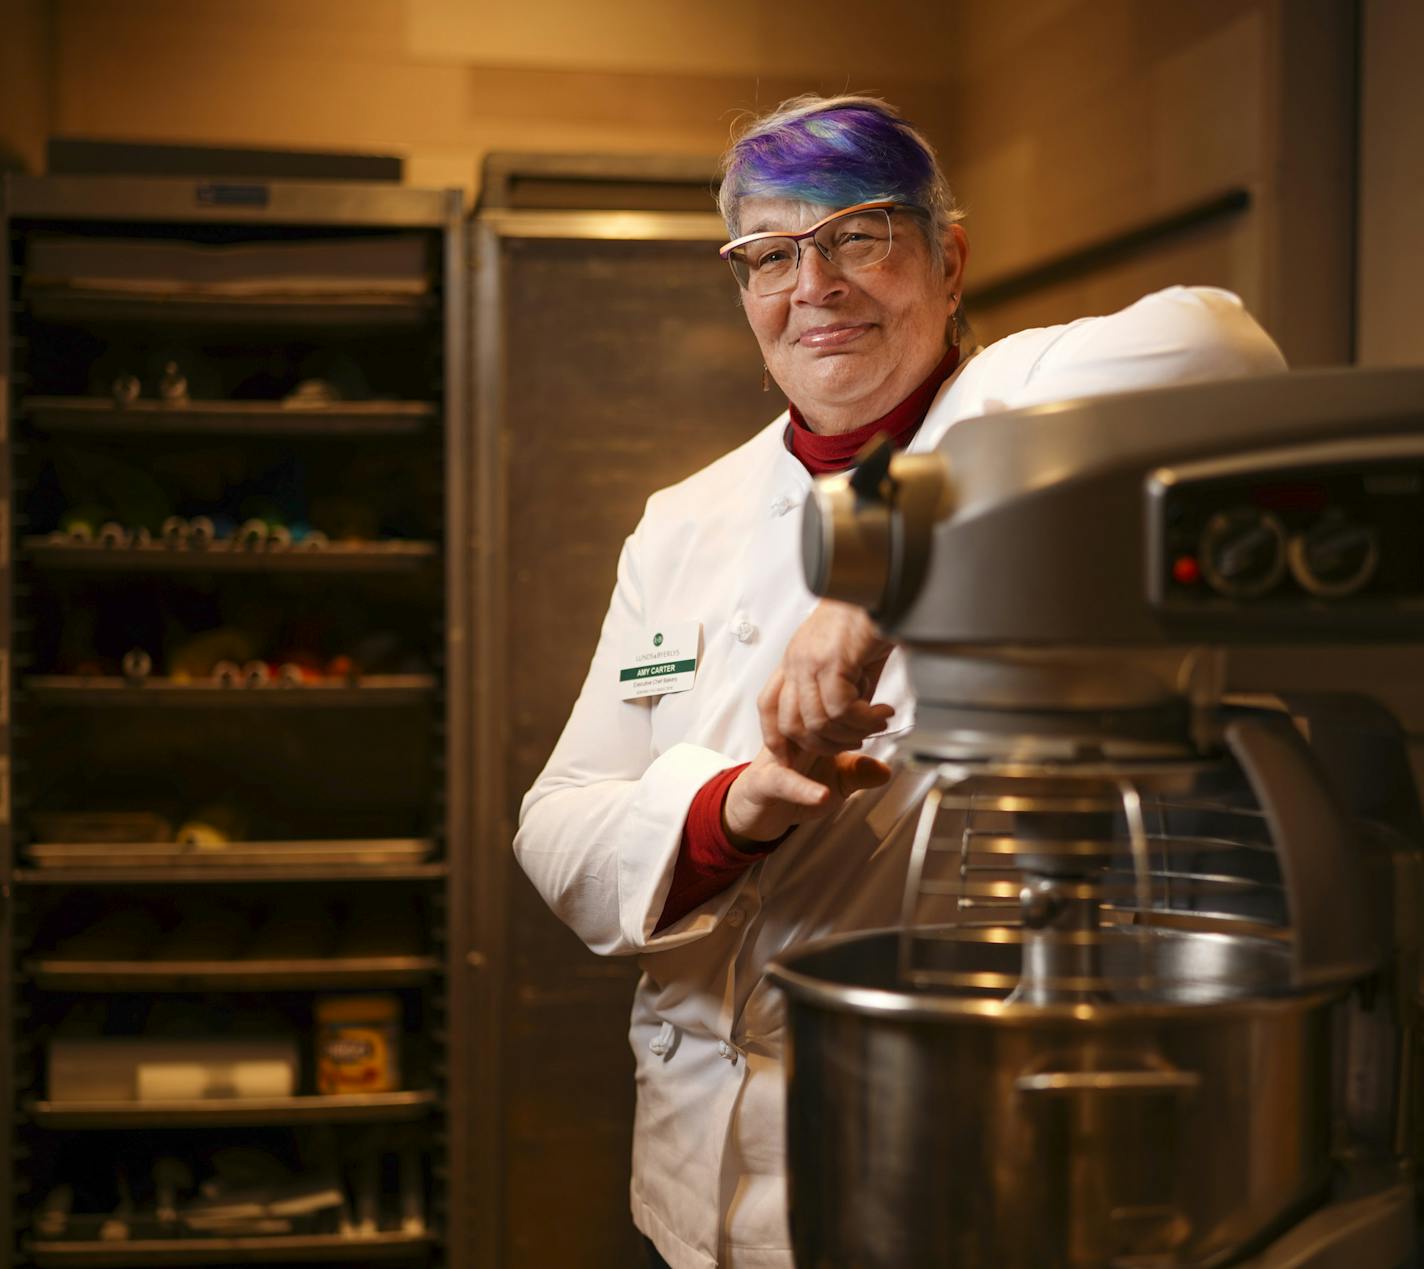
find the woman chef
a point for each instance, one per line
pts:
(684, 821)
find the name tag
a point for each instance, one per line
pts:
(660, 660)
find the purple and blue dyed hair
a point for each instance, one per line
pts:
(835, 152)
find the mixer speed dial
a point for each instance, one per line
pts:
(1336, 556)
(1243, 552)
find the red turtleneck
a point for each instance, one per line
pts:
(707, 862)
(820, 453)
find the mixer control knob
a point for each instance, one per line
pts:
(1334, 557)
(1243, 552)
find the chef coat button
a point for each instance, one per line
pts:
(735, 916)
(780, 505)
(661, 1044)
(743, 630)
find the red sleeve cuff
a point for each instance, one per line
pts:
(707, 862)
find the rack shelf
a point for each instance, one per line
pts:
(182, 874)
(366, 1108)
(225, 557)
(228, 418)
(308, 1248)
(317, 289)
(161, 860)
(104, 691)
(102, 308)
(288, 974)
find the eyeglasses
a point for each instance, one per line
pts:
(852, 238)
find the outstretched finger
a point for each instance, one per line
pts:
(843, 735)
(867, 719)
(768, 711)
(857, 725)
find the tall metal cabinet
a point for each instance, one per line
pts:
(234, 723)
(655, 373)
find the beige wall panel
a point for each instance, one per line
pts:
(738, 37)
(25, 83)
(1307, 203)
(157, 81)
(1089, 118)
(1391, 229)
(1210, 255)
(1082, 120)
(330, 74)
(314, 28)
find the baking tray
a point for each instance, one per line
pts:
(393, 850)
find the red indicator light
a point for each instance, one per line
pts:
(1186, 570)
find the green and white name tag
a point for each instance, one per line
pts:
(660, 660)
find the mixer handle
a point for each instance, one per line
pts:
(866, 534)
(1167, 1080)
(1314, 841)
(872, 469)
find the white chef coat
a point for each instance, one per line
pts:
(600, 828)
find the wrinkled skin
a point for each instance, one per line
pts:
(815, 712)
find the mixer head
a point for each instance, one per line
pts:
(1069, 582)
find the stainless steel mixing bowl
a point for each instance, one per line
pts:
(945, 1128)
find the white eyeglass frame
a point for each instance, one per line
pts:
(879, 204)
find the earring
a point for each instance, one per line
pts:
(765, 378)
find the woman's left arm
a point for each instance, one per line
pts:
(1180, 335)
(1184, 334)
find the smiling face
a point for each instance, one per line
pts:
(849, 347)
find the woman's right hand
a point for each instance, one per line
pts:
(818, 699)
(771, 796)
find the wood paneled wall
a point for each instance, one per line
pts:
(661, 376)
(25, 83)
(368, 75)
(1104, 148)
(1064, 124)
(1390, 297)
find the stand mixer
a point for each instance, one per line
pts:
(1154, 999)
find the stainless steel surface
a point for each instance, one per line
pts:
(866, 533)
(188, 199)
(1374, 1228)
(602, 226)
(1059, 860)
(657, 367)
(1155, 997)
(1058, 508)
(948, 1129)
(846, 544)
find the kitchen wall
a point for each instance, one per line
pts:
(441, 82)
(1389, 315)
(1105, 148)
(26, 80)
(1102, 147)
(1391, 244)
